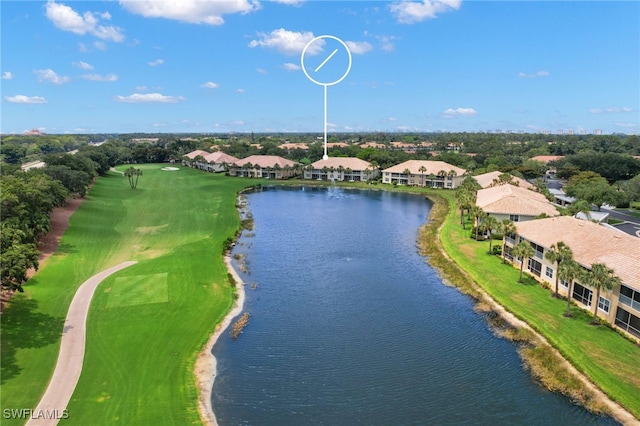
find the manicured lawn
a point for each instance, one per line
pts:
(147, 322)
(604, 356)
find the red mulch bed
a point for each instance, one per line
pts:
(47, 244)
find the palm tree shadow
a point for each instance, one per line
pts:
(24, 327)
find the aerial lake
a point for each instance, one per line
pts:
(350, 325)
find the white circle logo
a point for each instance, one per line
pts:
(323, 76)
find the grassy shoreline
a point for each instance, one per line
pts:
(599, 354)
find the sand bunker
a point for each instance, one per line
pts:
(170, 169)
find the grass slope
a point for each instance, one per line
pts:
(142, 341)
(608, 359)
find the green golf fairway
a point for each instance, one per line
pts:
(146, 323)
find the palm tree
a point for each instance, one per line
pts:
(422, 169)
(506, 227)
(465, 201)
(568, 271)
(603, 278)
(523, 250)
(477, 213)
(407, 173)
(489, 225)
(559, 253)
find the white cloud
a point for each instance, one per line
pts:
(100, 45)
(239, 90)
(358, 47)
(50, 76)
(140, 98)
(288, 42)
(534, 75)
(289, 2)
(7, 75)
(156, 62)
(22, 99)
(409, 12)
(262, 71)
(190, 11)
(82, 65)
(386, 42)
(82, 48)
(67, 19)
(289, 66)
(210, 85)
(98, 77)
(459, 112)
(610, 110)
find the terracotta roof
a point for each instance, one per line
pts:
(433, 167)
(294, 146)
(486, 180)
(337, 144)
(346, 162)
(265, 161)
(547, 158)
(510, 199)
(590, 243)
(220, 157)
(194, 154)
(373, 145)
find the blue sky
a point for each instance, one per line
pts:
(234, 66)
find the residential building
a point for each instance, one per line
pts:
(590, 243)
(434, 174)
(189, 158)
(560, 198)
(486, 180)
(341, 169)
(547, 158)
(264, 166)
(513, 202)
(216, 162)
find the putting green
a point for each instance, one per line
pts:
(138, 290)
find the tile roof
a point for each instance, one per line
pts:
(346, 162)
(433, 167)
(510, 199)
(194, 154)
(265, 161)
(590, 243)
(220, 157)
(547, 158)
(486, 180)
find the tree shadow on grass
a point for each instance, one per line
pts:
(24, 327)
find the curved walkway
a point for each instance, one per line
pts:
(54, 402)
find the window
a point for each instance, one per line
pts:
(507, 252)
(603, 304)
(582, 294)
(564, 283)
(514, 218)
(548, 272)
(629, 297)
(538, 249)
(534, 266)
(628, 322)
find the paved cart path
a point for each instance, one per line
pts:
(53, 404)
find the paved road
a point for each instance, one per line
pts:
(69, 365)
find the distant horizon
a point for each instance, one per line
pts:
(427, 66)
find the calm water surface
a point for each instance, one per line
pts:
(349, 325)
